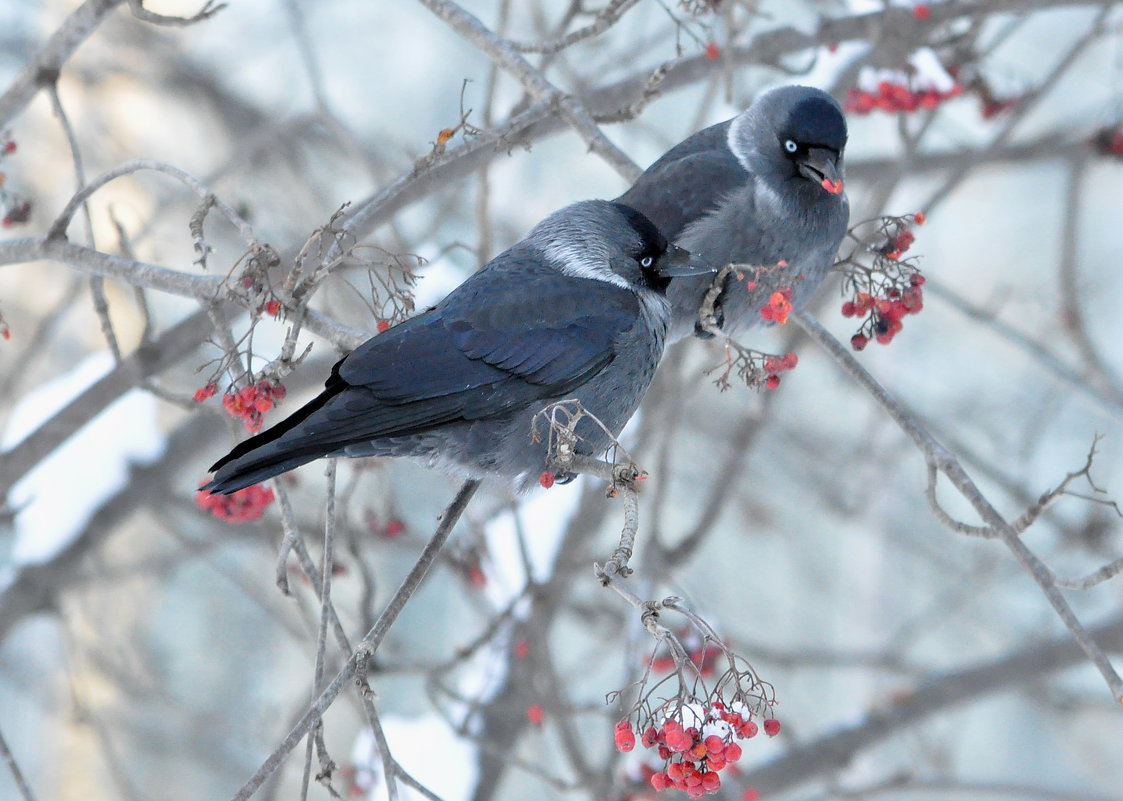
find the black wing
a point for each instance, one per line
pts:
(529, 331)
(514, 333)
(689, 180)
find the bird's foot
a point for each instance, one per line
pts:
(711, 316)
(616, 567)
(707, 325)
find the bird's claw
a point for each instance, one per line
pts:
(616, 567)
(704, 326)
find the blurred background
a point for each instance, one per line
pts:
(145, 649)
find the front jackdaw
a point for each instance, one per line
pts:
(763, 190)
(576, 310)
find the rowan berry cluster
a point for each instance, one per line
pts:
(249, 404)
(778, 307)
(922, 82)
(688, 715)
(16, 210)
(883, 315)
(925, 82)
(694, 747)
(242, 506)
(890, 96)
(755, 368)
(889, 290)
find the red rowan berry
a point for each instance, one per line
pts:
(625, 738)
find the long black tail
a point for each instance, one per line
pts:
(268, 454)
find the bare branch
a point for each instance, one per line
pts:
(946, 462)
(604, 20)
(58, 227)
(509, 59)
(14, 768)
(369, 644)
(44, 68)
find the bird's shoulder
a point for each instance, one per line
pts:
(713, 139)
(690, 180)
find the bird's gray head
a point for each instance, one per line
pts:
(792, 132)
(612, 242)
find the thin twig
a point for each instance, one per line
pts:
(369, 644)
(604, 20)
(326, 566)
(945, 461)
(58, 227)
(47, 63)
(14, 768)
(571, 109)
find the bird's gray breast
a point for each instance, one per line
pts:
(787, 235)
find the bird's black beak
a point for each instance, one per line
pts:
(820, 166)
(679, 261)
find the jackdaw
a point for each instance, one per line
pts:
(576, 310)
(763, 189)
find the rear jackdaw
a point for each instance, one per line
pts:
(764, 190)
(576, 310)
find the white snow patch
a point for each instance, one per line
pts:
(930, 73)
(830, 64)
(544, 515)
(56, 499)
